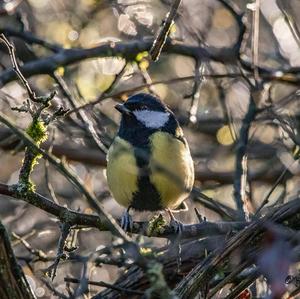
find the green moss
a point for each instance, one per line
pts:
(37, 130)
(156, 225)
(140, 56)
(145, 251)
(35, 161)
(25, 187)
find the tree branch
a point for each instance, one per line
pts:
(70, 175)
(127, 50)
(73, 218)
(13, 283)
(190, 286)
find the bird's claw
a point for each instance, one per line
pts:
(127, 222)
(178, 229)
(177, 225)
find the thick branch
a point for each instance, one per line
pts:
(203, 273)
(13, 283)
(72, 218)
(64, 214)
(127, 50)
(190, 286)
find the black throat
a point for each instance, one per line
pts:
(138, 134)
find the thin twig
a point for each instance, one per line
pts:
(255, 39)
(228, 278)
(106, 285)
(275, 76)
(195, 95)
(201, 274)
(16, 68)
(70, 175)
(293, 294)
(88, 124)
(65, 230)
(164, 31)
(241, 149)
(13, 280)
(41, 255)
(266, 199)
(47, 178)
(243, 285)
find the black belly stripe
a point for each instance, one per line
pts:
(147, 198)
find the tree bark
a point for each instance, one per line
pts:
(13, 284)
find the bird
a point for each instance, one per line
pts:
(149, 164)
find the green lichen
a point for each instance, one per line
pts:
(145, 251)
(25, 187)
(35, 161)
(140, 56)
(156, 225)
(37, 130)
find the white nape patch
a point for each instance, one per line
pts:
(152, 119)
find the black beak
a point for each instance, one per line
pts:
(122, 109)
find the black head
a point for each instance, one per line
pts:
(142, 101)
(143, 114)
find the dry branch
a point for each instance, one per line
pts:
(203, 268)
(69, 174)
(13, 283)
(74, 218)
(191, 285)
(127, 50)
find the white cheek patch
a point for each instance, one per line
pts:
(152, 119)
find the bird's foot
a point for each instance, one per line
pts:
(178, 229)
(201, 218)
(177, 225)
(126, 221)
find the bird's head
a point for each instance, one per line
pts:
(144, 110)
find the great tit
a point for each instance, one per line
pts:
(149, 165)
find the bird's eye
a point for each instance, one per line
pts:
(143, 107)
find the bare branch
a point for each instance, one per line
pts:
(164, 31)
(204, 271)
(68, 173)
(241, 164)
(73, 218)
(16, 68)
(13, 283)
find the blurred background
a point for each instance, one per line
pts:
(210, 108)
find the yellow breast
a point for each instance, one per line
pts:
(122, 171)
(172, 169)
